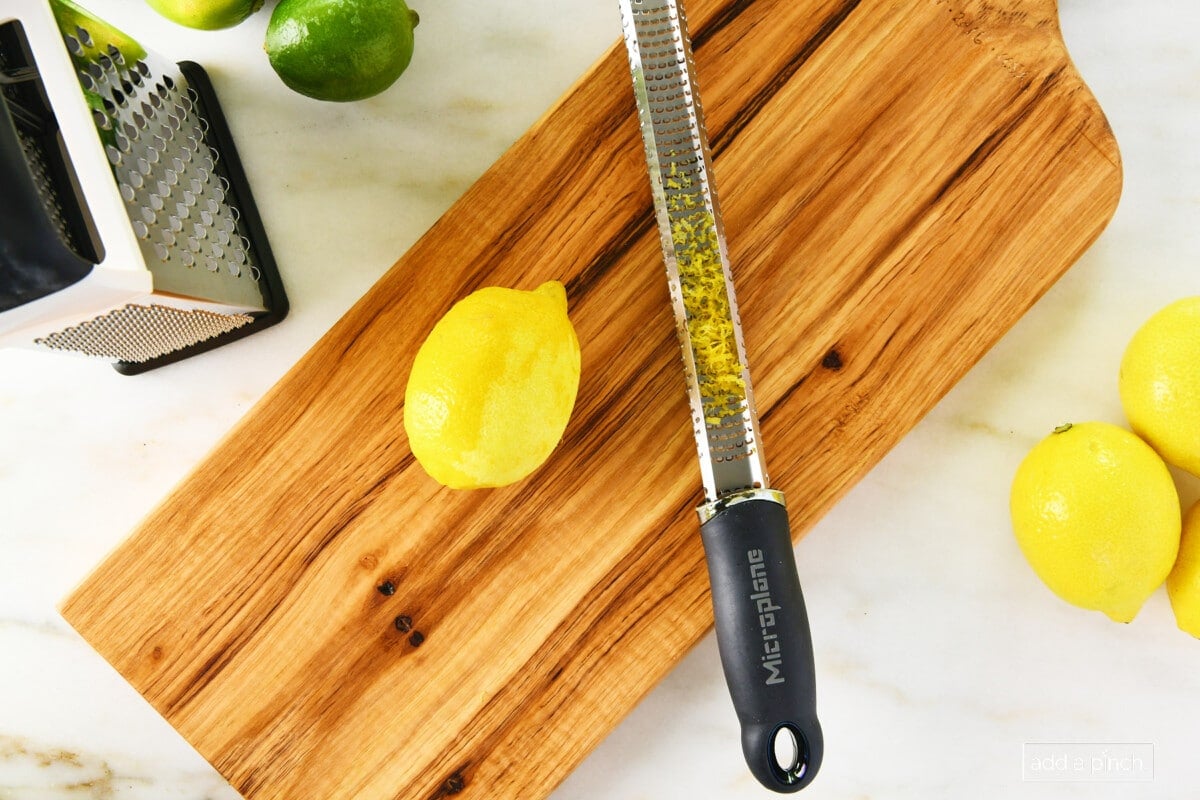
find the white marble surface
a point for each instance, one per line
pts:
(939, 653)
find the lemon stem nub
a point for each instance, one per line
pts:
(415, 17)
(1066, 426)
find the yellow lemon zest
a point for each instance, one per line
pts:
(703, 289)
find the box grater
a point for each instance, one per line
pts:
(127, 227)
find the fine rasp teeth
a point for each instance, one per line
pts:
(694, 249)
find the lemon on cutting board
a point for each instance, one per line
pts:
(493, 386)
(1160, 383)
(1096, 514)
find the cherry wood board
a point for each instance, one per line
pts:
(900, 182)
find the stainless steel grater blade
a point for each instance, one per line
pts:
(761, 621)
(693, 243)
(156, 250)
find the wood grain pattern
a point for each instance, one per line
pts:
(900, 182)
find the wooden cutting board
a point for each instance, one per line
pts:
(900, 180)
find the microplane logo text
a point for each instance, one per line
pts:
(772, 657)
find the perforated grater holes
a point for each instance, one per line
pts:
(25, 101)
(700, 285)
(42, 178)
(137, 333)
(162, 136)
(41, 175)
(165, 168)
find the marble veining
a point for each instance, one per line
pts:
(38, 771)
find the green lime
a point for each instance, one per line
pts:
(93, 39)
(207, 15)
(100, 35)
(340, 49)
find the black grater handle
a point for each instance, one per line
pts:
(764, 640)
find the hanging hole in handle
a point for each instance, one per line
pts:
(789, 752)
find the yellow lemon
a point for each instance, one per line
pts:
(493, 386)
(1183, 584)
(1160, 383)
(1096, 514)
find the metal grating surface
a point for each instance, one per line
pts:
(179, 202)
(22, 91)
(47, 190)
(136, 333)
(724, 421)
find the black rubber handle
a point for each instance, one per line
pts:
(764, 640)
